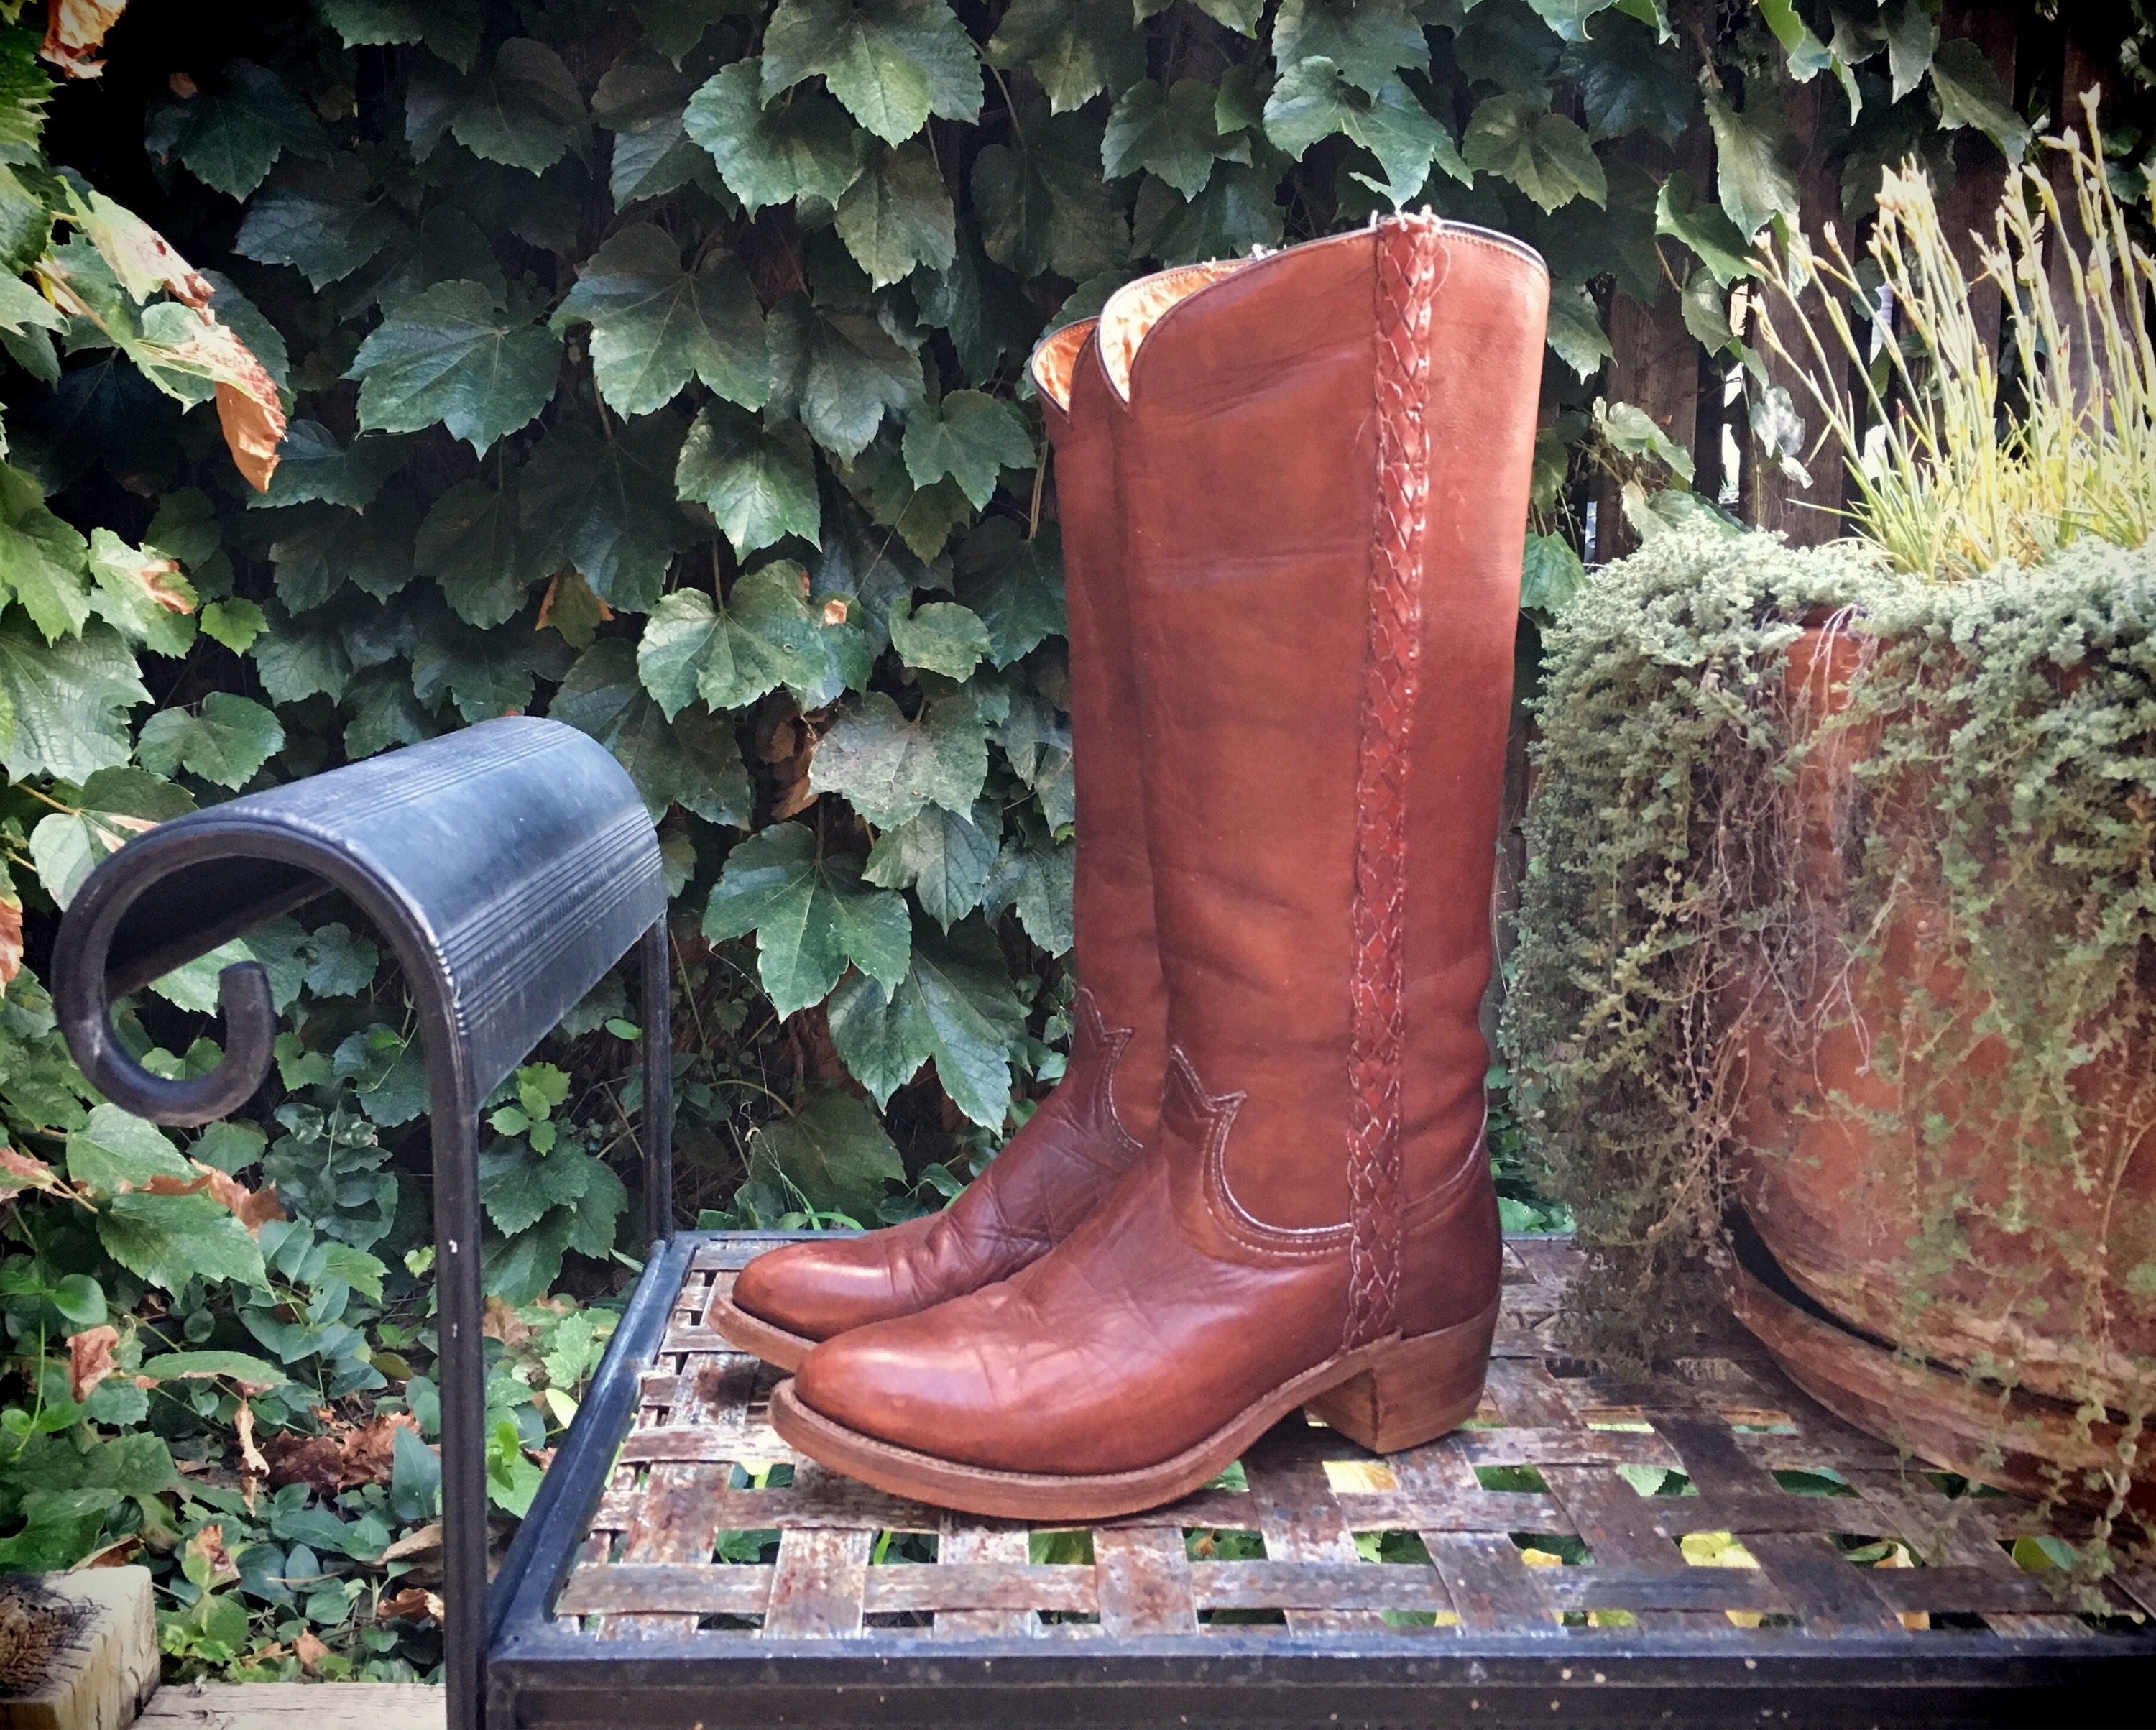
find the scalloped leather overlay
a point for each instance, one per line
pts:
(1409, 265)
(1101, 1114)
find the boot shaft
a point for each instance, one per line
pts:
(1324, 460)
(1116, 951)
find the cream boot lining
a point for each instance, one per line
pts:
(1057, 358)
(1134, 309)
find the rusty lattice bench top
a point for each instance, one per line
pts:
(1717, 1500)
(1707, 1547)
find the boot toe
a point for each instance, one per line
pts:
(819, 1289)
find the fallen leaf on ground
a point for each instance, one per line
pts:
(242, 1421)
(309, 1650)
(414, 1602)
(208, 1543)
(425, 1540)
(368, 1451)
(502, 1323)
(315, 1461)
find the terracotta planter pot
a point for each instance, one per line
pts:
(1890, 1225)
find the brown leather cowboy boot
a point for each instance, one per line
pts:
(1089, 1129)
(1324, 461)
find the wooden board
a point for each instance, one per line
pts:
(78, 1651)
(287, 1706)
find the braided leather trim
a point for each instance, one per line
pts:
(1408, 267)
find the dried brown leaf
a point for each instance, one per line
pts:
(367, 1452)
(208, 1543)
(414, 1603)
(243, 1423)
(10, 939)
(90, 1359)
(315, 1460)
(75, 30)
(19, 1172)
(501, 1322)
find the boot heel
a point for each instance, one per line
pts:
(1415, 1391)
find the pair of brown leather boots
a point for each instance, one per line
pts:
(1293, 493)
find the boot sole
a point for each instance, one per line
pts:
(759, 1338)
(1392, 1395)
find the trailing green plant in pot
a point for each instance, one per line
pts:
(1836, 995)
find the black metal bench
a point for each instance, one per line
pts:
(1531, 1568)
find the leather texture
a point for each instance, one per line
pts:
(1356, 407)
(1095, 1124)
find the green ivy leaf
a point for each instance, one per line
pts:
(939, 637)
(523, 111)
(694, 760)
(1575, 330)
(1169, 132)
(839, 372)
(227, 742)
(450, 28)
(469, 543)
(764, 636)
(170, 1239)
(1628, 83)
(231, 1366)
(896, 218)
(890, 768)
(605, 507)
(655, 326)
(117, 1150)
(1045, 207)
(1912, 39)
(64, 706)
(1569, 17)
(1367, 41)
(1631, 431)
(313, 467)
(484, 674)
(1550, 575)
(970, 437)
(1076, 48)
(1312, 101)
(1705, 228)
(758, 481)
(956, 1008)
(644, 103)
(324, 219)
(1544, 155)
(1807, 54)
(893, 63)
(24, 91)
(1971, 94)
(805, 148)
(44, 563)
(944, 857)
(1039, 881)
(1013, 585)
(230, 133)
(812, 917)
(452, 354)
(833, 1150)
(1753, 177)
